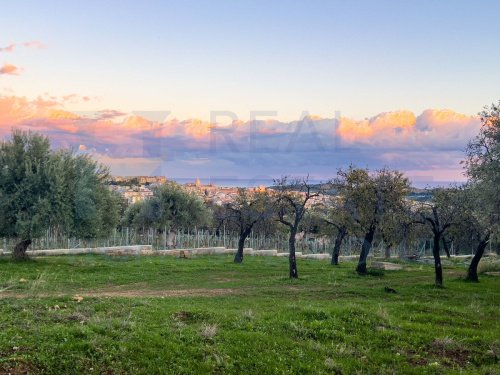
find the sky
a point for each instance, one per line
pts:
(139, 84)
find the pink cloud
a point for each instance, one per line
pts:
(9, 48)
(108, 114)
(9, 69)
(137, 123)
(70, 97)
(15, 110)
(41, 114)
(75, 98)
(197, 129)
(432, 140)
(431, 128)
(32, 44)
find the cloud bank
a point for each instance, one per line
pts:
(428, 146)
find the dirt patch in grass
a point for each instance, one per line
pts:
(450, 351)
(447, 353)
(19, 368)
(453, 356)
(161, 293)
(14, 365)
(184, 316)
(224, 280)
(135, 293)
(416, 360)
(301, 288)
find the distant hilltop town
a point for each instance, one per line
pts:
(214, 193)
(138, 180)
(138, 188)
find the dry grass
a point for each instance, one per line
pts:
(208, 331)
(491, 263)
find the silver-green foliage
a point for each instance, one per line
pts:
(170, 207)
(42, 188)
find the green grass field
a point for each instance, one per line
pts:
(154, 315)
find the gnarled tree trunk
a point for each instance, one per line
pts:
(365, 250)
(472, 271)
(19, 252)
(294, 274)
(437, 260)
(336, 247)
(238, 257)
(388, 246)
(446, 248)
(388, 249)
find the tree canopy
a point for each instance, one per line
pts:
(246, 210)
(483, 170)
(41, 188)
(170, 207)
(370, 200)
(292, 196)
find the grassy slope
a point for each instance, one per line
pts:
(329, 321)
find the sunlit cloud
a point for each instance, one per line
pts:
(424, 145)
(9, 69)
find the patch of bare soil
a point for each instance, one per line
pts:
(113, 292)
(15, 365)
(183, 315)
(451, 353)
(299, 289)
(454, 356)
(161, 293)
(416, 360)
(223, 280)
(21, 368)
(447, 353)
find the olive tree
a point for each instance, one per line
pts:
(41, 188)
(170, 208)
(245, 211)
(292, 198)
(370, 199)
(483, 170)
(439, 214)
(398, 227)
(337, 219)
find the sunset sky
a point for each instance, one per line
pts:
(138, 84)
